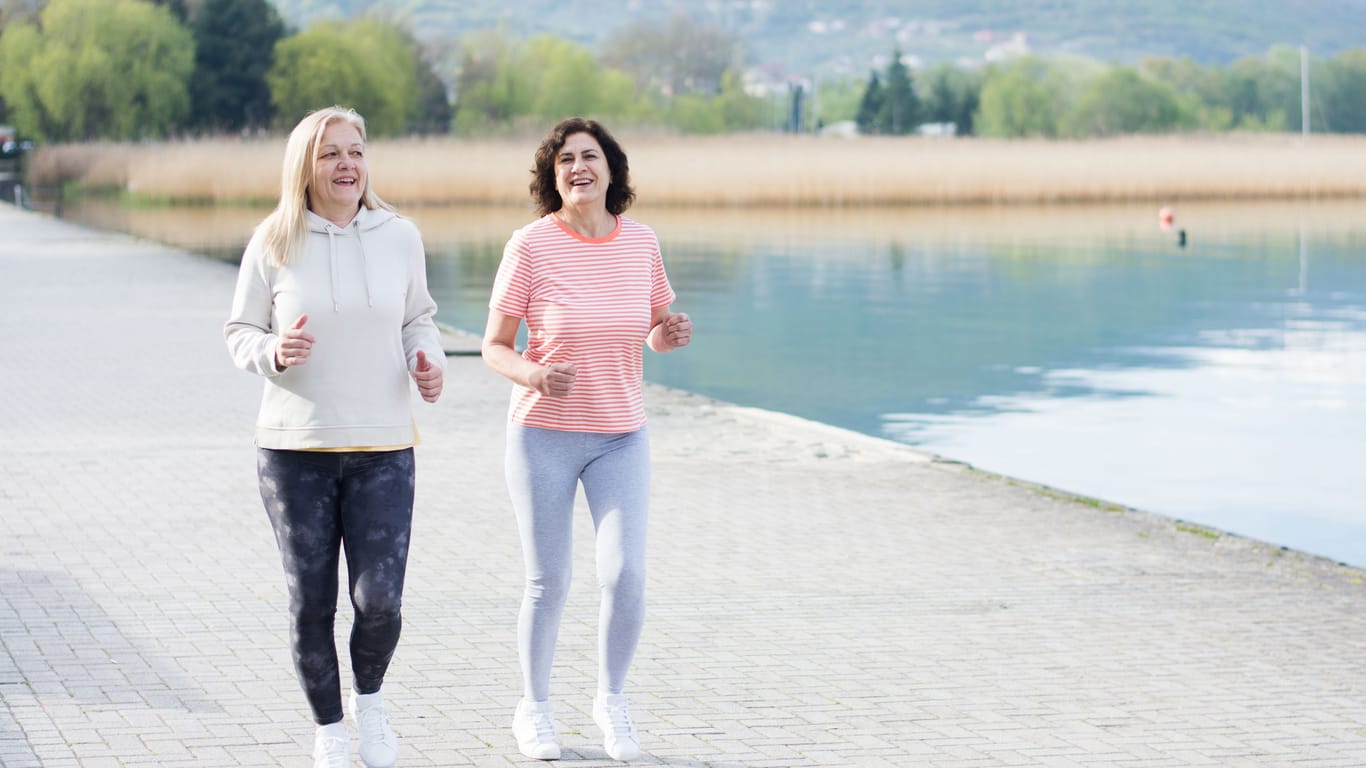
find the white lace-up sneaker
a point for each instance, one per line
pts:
(332, 747)
(534, 727)
(613, 716)
(378, 744)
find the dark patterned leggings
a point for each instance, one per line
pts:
(320, 503)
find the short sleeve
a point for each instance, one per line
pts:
(512, 284)
(661, 293)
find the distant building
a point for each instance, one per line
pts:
(941, 130)
(845, 129)
(1017, 45)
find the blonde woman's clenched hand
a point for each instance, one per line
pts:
(429, 378)
(295, 345)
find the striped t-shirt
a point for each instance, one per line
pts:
(586, 301)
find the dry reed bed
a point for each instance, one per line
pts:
(768, 170)
(935, 226)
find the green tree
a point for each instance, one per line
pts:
(19, 45)
(1259, 94)
(434, 110)
(953, 97)
(490, 90)
(1339, 102)
(837, 100)
(366, 64)
(1122, 101)
(234, 43)
(1198, 90)
(739, 110)
(1020, 99)
(546, 79)
(692, 113)
(564, 78)
(178, 9)
(618, 98)
(731, 110)
(567, 80)
(900, 110)
(870, 106)
(97, 69)
(1279, 86)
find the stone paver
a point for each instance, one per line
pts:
(818, 598)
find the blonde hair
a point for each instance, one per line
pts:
(284, 231)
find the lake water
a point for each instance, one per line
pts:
(1221, 383)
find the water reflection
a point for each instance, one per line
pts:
(1223, 382)
(1258, 433)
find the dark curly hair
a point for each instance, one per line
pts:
(546, 198)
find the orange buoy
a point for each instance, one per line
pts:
(1165, 217)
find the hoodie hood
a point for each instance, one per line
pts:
(366, 220)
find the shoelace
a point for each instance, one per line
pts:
(545, 726)
(334, 749)
(372, 723)
(620, 717)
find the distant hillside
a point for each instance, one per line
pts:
(824, 39)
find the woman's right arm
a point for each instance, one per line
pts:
(500, 354)
(249, 332)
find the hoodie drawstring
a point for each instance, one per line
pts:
(364, 262)
(332, 232)
(332, 263)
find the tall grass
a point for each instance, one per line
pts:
(765, 170)
(224, 229)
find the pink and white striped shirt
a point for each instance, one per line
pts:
(586, 301)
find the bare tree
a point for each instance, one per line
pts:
(678, 57)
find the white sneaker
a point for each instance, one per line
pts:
(332, 747)
(378, 744)
(613, 716)
(534, 726)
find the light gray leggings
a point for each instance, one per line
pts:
(544, 468)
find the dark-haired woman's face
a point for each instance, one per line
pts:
(581, 172)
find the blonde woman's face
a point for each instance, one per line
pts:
(339, 173)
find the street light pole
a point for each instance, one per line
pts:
(1304, 92)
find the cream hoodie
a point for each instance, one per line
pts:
(364, 289)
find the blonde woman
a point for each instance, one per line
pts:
(332, 311)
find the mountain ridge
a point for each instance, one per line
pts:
(805, 37)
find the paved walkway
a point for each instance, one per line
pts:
(818, 598)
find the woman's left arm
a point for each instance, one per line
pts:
(669, 330)
(420, 333)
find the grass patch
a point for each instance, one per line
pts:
(1086, 501)
(1197, 530)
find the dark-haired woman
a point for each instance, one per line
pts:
(590, 285)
